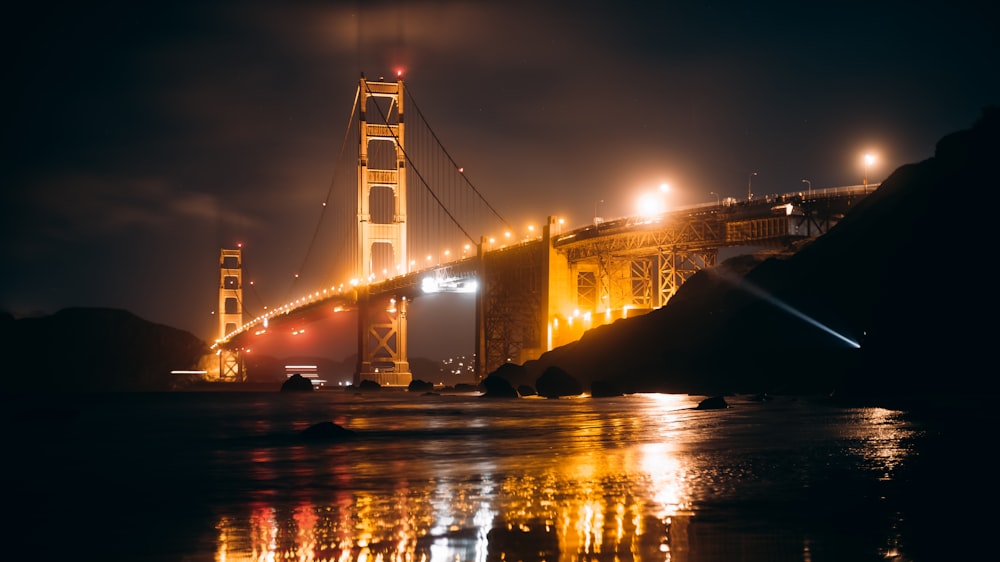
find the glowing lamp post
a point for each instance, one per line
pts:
(749, 190)
(652, 204)
(869, 160)
(809, 187)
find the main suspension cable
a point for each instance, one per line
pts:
(455, 164)
(329, 193)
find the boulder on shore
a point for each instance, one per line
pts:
(297, 383)
(498, 387)
(369, 384)
(418, 385)
(556, 382)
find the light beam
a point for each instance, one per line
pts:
(762, 294)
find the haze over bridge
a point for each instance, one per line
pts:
(533, 292)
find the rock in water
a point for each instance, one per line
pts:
(713, 403)
(327, 431)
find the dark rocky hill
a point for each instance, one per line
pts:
(101, 349)
(904, 275)
(94, 349)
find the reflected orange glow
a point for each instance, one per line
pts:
(587, 505)
(305, 522)
(633, 501)
(264, 534)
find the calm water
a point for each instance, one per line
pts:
(445, 478)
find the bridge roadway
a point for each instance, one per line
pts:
(545, 292)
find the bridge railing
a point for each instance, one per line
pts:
(821, 193)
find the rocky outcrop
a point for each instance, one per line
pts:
(713, 403)
(417, 385)
(495, 386)
(368, 385)
(513, 373)
(556, 383)
(297, 383)
(95, 349)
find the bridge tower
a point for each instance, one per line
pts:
(382, 355)
(230, 309)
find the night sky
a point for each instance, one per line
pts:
(139, 138)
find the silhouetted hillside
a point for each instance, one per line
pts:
(100, 349)
(902, 274)
(94, 349)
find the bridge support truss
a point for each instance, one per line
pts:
(382, 324)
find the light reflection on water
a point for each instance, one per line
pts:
(550, 480)
(461, 478)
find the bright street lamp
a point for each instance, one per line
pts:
(869, 159)
(652, 204)
(718, 201)
(597, 218)
(809, 186)
(749, 192)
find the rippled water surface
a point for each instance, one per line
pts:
(226, 476)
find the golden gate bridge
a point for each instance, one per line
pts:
(409, 221)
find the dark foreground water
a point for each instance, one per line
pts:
(224, 476)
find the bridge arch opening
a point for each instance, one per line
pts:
(381, 154)
(382, 204)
